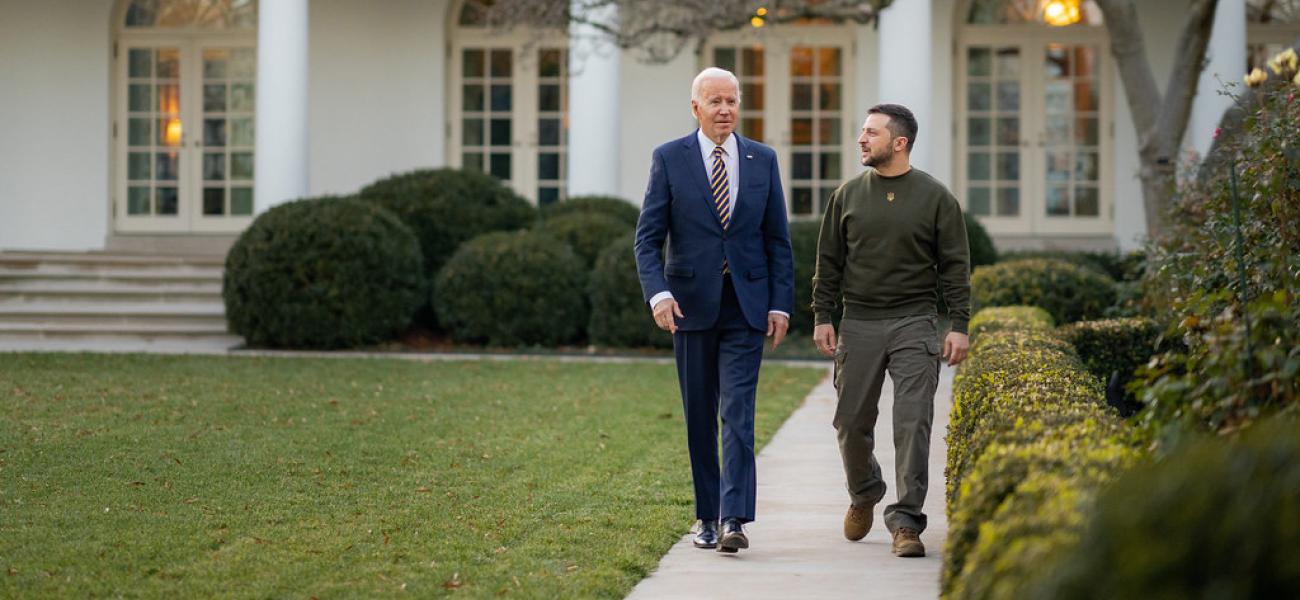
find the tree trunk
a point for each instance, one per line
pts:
(1160, 120)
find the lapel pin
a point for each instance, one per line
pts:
(749, 157)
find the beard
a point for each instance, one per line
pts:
(874, 160)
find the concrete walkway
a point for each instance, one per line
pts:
(797, 546)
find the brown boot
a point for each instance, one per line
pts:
(907, 542)
(857, 522)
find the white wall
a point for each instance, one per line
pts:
(54, 124)
(655, 108)
(376, 90)
(1161, 34)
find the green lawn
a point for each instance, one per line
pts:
(200, 476)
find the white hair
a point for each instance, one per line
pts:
(712, 73)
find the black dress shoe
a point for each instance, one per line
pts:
(733, 536)
(706, 534)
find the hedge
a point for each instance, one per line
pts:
(1113, 345)
(323, 273)
(999, 318)
(610, 206)
(619, 315)
(1218, 519)
(588, 233)
(513, 289)
(803, 243)
(982, 250)
(1068, 292)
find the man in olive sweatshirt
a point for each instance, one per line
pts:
(891, 237)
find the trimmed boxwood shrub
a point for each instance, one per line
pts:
(619, 316)
(323, 273)
(611, 206)
(446, 207)
(982, 250)
(587, 233)
(1069, 292)
(999, 318)
(1113, 348)
(1220, 519)
(513, 289)
(1119, 266)
(1080, 453)
(803, 243)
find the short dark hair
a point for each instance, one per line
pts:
(901, 121)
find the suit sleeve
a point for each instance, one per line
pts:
(776, 237)
(652, 230)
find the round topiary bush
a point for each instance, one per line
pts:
(982, 250)
(446, 207)
(513, 289)
(1067, 291)
(611, 206)
(323, 273)
(619, 315)
(587, 233)
(1219, 519)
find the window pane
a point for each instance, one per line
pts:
(169, 61)
(500, 166)
(241, 132)
(214, 132)
(1009, 202)
(1058, 130)
(548, 195)
(241, 201)
(472, 97)
(828, 61)
(214, 63)
(1085, 166)
(801, 96)
(978, 167)
(1057, 96)
(829, 96)
(501, 97)
(1086, 131)
(1008, 62)
(830, 166)
(548, 97)
(137, 200)
(1086, 203)
(977, 201)
(1085, 97)
(828, 131)
(1056, 62)
(548, 132)
(1058, 166)
(214, 201)
(138, 132)
(243, 63)
(1008, 95)
(802, 204)
(752, 96)
(501, 133)
(472, 161)
(753, 63)
(501, 63)
(1058, 201)
(167, 201)
(1009, 166)
(548, 166)
(979, 96)
(141, 98)
(725, 58)
(801, 165)
(241, 165)
(214, 166)
(549, 61)
(753, 128)
(138, 166)
(979, 62)
(241, 97)
(472, 64)
(141, 62)
(166, 166)
(801, 65)
(801, 131)
(978, 132)
(169, 99)
(214, 97)
(471, 132)
(1009, 131)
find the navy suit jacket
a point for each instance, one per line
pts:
(679, 207)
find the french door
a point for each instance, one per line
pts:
(1034, 131)
(184, 132)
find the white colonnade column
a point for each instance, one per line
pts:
(281, 164)
(594, 109)
(905, 55)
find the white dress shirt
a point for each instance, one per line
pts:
(730, 158)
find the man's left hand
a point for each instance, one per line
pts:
(955, 347)
(777, 325)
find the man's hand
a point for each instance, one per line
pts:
(664, 312)
(955, 347)
(777, 326)
(824, 338)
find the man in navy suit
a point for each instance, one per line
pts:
(727, 281)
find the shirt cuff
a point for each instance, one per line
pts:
(657, 298)
(779, 312)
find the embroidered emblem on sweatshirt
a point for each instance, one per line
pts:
(889, 196)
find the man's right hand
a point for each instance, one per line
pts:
(824, 338)
(664, 312)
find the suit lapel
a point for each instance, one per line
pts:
(691, 154)
(748, 174)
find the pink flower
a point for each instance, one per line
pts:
(1217, 131)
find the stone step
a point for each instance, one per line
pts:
(113, 313)
(109, 259)
(124, 276)
(14, 291)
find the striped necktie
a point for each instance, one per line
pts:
(721, 188)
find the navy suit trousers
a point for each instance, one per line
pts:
(717, 369)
